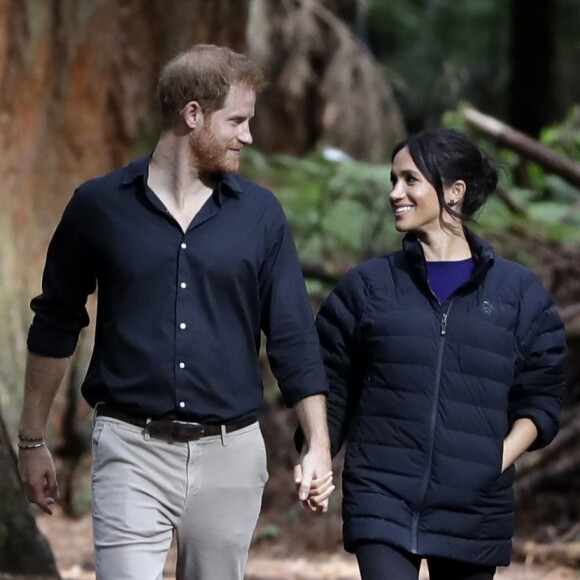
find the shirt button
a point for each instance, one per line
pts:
(183, 246)
(181, 365)
(182, 404)
(183, 326)
(183, 285)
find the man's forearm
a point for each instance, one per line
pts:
(311, 412)
(315, 467)
(42, 379)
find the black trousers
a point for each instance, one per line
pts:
(384, 562)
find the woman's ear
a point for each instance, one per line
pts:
(455, 192)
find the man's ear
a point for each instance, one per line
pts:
(192, 115)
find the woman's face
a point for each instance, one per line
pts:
(413, 199)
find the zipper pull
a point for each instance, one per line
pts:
(444, 324)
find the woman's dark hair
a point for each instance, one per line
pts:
(444, 156)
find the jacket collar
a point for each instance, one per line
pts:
(483, 256)
(482, 252)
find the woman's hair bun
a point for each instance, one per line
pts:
(489, 174)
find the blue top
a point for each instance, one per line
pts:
(180, 315)
(445, 277)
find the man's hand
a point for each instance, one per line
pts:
(42, 379)
(313, 478)
(38, 476)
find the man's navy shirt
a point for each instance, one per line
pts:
(179, 315)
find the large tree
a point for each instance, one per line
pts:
(532, 46)
(325, 87)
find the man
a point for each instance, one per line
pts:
(192, 263)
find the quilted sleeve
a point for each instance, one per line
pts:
(539, 380)
(339, 332)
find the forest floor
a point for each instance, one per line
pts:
(71, 541)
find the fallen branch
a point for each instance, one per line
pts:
(508, 137)
(562, 553)
(510, 203)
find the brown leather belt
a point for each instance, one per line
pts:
(179, 431)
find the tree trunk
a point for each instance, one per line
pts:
(531, 59)
(325, 87)
(23, 549)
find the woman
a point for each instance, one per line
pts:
(445, 364)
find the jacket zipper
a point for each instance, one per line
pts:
(427, 472)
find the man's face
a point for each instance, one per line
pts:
(217, 144)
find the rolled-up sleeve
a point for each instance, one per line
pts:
(287, 320)
(60, 311)
(539, 381)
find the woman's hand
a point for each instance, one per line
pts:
(518, 441)
(320, 490)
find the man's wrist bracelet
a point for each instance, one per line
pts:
(30, 439)
(22, 445)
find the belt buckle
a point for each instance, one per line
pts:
(186, 431)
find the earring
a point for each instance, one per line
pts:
(451, 202)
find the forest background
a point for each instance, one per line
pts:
(348, 79)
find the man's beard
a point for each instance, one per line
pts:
(209, 156)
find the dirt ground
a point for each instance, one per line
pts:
(71, 541)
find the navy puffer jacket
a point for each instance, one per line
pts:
(425, 394)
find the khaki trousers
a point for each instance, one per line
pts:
(208, 492)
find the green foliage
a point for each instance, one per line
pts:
(337, 210)
(565, 138)
(441, 51)
(340, 216)
(266, 532)
(551, 205)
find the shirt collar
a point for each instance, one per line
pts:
(135, 169)
(232, 184)
(228, 183)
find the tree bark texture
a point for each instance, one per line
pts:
(77, 84)
(325, 87)
(23, 549)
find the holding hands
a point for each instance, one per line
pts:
(314, 486)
